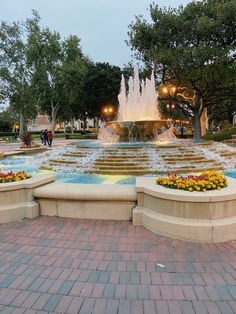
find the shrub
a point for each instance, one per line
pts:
(27, 140)
(220, 136)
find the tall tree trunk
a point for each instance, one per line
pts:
(196, 125)
(21, 123)
(197, 112)
(84, 123)
(64, 127)
(72, 126)
(54, 110)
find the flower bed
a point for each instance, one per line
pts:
(208, 180)
(6, 177)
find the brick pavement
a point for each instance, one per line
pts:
(59, 265)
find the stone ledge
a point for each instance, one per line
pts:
(199, 231)
(18, 211)
(87, 192)
(91, 201)
(32, 150)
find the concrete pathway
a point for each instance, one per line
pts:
(59, 265)
(9, 147)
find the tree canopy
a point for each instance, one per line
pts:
(194, 48)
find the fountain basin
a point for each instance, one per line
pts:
(134, 131)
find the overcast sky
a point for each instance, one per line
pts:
(102, 25)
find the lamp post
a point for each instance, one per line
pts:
(108, 111)
(170, 91)
(17, 127)
(170, 108)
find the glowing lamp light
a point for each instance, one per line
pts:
(173, 90)
(108, 110)
(164, 90)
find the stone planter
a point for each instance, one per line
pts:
(193, 216)
(16, 198)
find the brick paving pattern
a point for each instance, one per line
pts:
(60, 265)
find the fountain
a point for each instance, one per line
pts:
(139, 119)
(139, 143)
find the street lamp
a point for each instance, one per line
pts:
(108, 111)
(170, 108)
(172, 91)
(17, 127)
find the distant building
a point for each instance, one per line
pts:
(42, 122)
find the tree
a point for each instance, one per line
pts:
(101, 87)
(194, 48)
(7, 120)
(74, 73)
(15, 73)
(58, 72)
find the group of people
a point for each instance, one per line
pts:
(46, 137)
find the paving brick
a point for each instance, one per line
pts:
(232, 291)
(66, 287)
(21, 297)
(7, 281)
(75, 305)
(52, 303)
(112, 306)
(76, 289)
(124, 307)
(87, 305)
(166, 293)
(223, 292)
(64, 304)
(137, 307)
(100, 306)
(212, 307)
(120, 291)
(174, 307)
(41, 301)
(109, 291)
(199, 307)
(149, 306)
(98, 290)
(30, 300)
(36, 284)
(187, 307)
(104, 277)
(225, 308)
(143, 292)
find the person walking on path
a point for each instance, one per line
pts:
(50, 137)
(42, 136)
(45, 137)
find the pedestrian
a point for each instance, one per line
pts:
(42, 136)
(45, 137)
(50, 137)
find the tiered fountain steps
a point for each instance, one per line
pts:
(143, 159)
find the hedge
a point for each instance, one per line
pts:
(220, 136)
